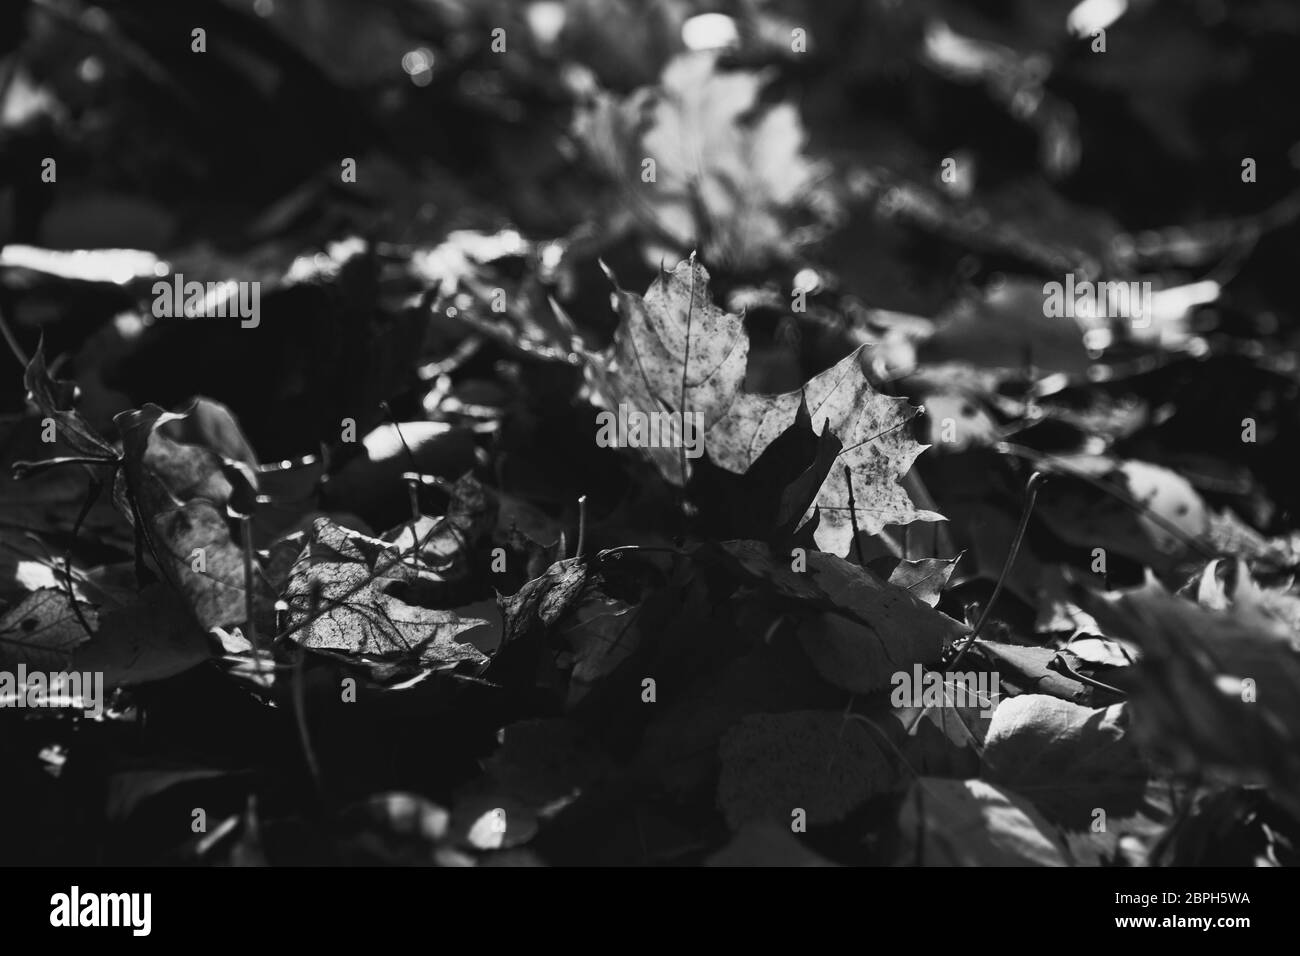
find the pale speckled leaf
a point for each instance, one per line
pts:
(644, 371)
(363, 583)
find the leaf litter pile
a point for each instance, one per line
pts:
(646, 433)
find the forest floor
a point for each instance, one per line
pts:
(608, 432)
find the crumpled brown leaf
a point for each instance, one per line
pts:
(180, 492)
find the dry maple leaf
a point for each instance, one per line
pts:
(676, 352)
(728, 173)
(365, 588)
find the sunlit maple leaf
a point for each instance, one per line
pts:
(675, 351)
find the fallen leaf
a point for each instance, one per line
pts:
(1211, 687)
(1069, 760)
(974, 823)
(127, 789)
(729, 172)
(925, 578)
(56, 399)
(766, 844)
(817, 761)
(1160, 528)
(674, 350)
(360, 586)
(42, 631)
(887, 629)
(179, 493)
(150, 639)
(1027, 670)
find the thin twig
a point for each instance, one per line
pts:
(300, 707)
(1061, 665)
(246, 532)
(582, 524)
(853, 514)
(1031, 496)
(14, 347)
(686, 365)
(25, 469)
(1040, 459)
(92, 495)
(387, 409)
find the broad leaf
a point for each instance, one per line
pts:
(882, 629)
(349, 592)
(675, 351)
(180, 493)
(150, 639)
(1069, 760)
(820, 762)
(974, 823)
(729, 172)
(42, 630)
(1212, 687)
(925, 578)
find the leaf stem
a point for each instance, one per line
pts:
(9, 338)
(1062, 666)
(300, 707)
(1108, 488)
(853, 514)
(582, 524)
(92, 495)
(1031, 496)
(686, 366)
(250, 584)
(25, 469)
